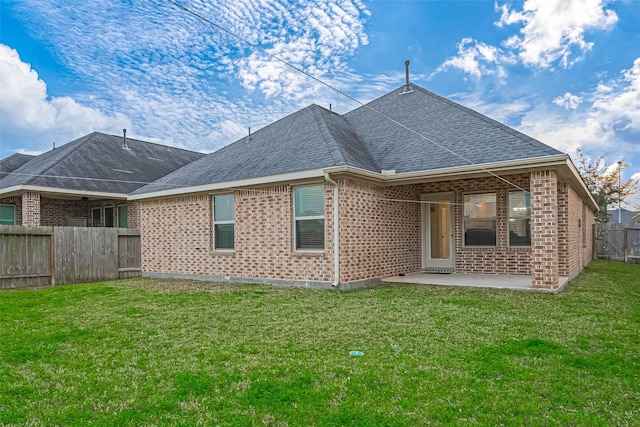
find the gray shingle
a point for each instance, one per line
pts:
(97, 162)
(315, 138)
(13, 162)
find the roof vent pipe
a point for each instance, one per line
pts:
(124, 139)
(406, 68)
(407, 87)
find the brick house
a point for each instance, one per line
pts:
(410, 182)
(84, 182)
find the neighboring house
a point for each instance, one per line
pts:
(322, 199)
(626, 215)
(636, 218)
(84, 182)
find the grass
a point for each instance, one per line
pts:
(161, 352)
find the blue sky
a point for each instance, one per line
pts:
(564, 71)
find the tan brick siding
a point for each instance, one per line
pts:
(544, 229)
(177, 238)
(30, 209)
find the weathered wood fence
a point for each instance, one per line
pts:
(47, 256)
(618, 242)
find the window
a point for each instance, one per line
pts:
(123, 221)
(223, 236)
(480, 219)
(96, 217)
(7, 215)
(519, 218)
(109, 217)
(308, 206)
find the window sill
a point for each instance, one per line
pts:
(316, 253)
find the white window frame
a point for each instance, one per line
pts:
(99, 209)
(118, 214)
(312, 217)
(114, 217)
(226, 222)
(509, 221)
(14, 211)
(464, 231)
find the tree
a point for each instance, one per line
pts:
(604, 183)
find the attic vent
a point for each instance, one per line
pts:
(121, 170)
(407, 86)
(249, 137)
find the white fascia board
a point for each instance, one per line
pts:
(272, 179)
(61, 192)
(457, 171)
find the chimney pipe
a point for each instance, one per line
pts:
(406, 66)
(124, 139)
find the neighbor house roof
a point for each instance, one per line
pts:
(13, 162)
(98, 163)
(405, 133)
(627, 216)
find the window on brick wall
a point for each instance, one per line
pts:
(479, 222)
(308, 207)
(109, 217)
(96, 217)
(519, 210)
(7, 215)
(223, 222)
(123, 220)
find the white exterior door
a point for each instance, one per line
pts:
(437, 231)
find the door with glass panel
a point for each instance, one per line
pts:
(437, 231)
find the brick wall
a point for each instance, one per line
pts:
(500, 259)
(30, 209)
(580, 234)
(17, 202)
(544, 229)
(177, 238)
(56, 212)
(379, 237)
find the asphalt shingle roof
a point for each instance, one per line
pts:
(97, 162)
(13, 162)
(315, 138)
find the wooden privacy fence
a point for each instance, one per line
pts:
(42, 256)
(618, 242)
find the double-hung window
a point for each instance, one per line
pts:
(519, 218)
(308, 206)
(223, 222)
(479, 219)
(7, 215)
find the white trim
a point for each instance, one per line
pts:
(308, 218)
(60, 191)
(224, 222)
(14, 211)
(293, 176)
(509, 245)
(427, 261)
(433, 174)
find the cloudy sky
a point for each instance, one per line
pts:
(564, 71)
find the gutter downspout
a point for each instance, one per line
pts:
(336, 233)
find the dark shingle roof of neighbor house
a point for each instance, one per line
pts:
(315, 138)
(13, 162)
(98, 162)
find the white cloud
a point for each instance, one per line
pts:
(26, 107)
(182, 80)
(477, 59)
(568, 101)
(609, 123)
(554, 29)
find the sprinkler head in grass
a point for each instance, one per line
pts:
(356, 353)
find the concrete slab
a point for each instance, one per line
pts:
(516, 283)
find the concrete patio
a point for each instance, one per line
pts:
(515, 283)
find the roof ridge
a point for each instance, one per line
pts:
(324, 129)
(144, 142)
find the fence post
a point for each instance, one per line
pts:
(52, 261)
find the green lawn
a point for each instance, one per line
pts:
(161, 352)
